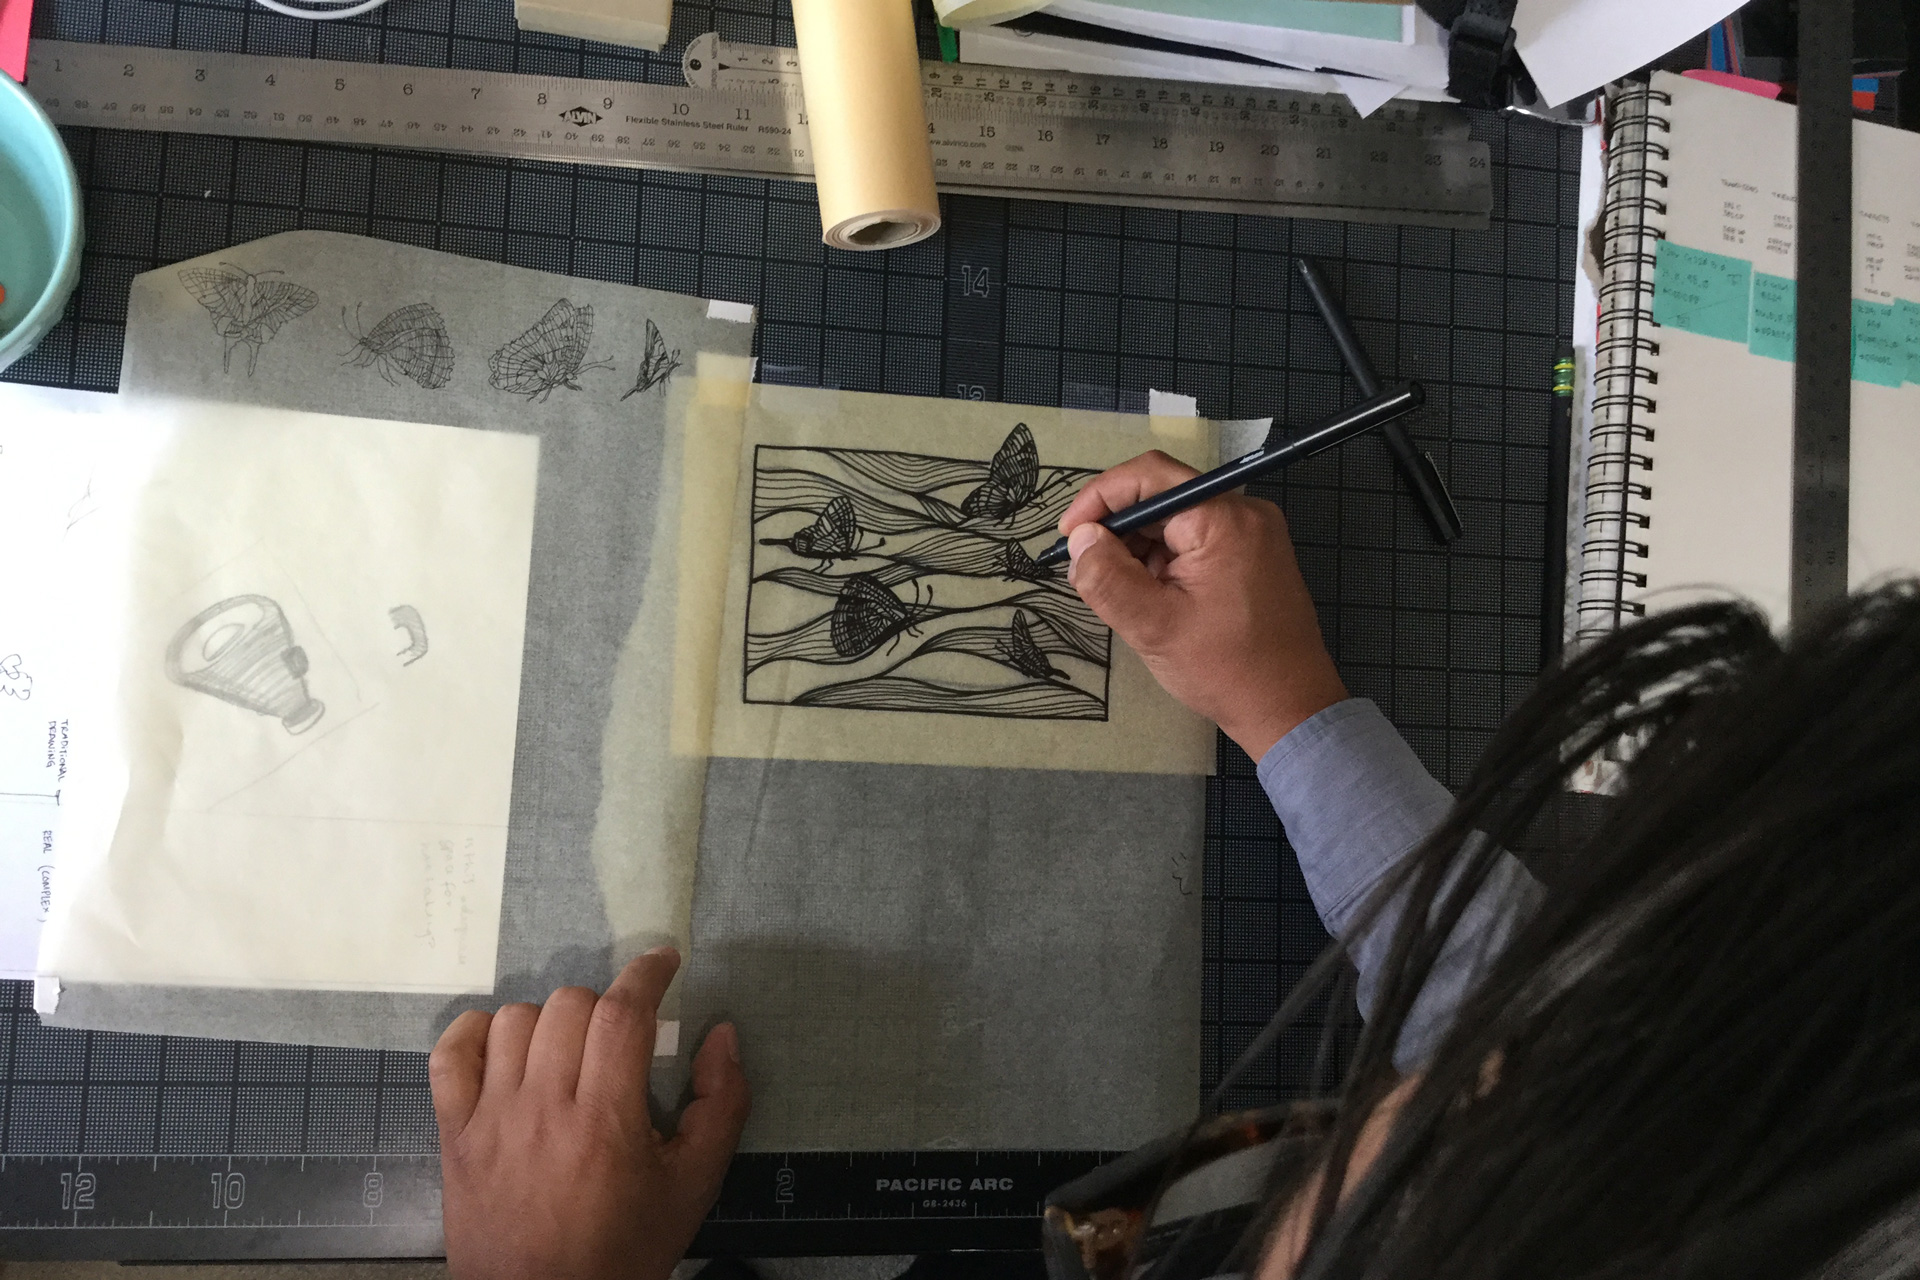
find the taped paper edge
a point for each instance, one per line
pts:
(46, 995)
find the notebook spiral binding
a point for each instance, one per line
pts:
(1626, 374)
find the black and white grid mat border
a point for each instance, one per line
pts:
(1079, 305)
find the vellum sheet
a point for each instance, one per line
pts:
(884, 603)
(312, 675)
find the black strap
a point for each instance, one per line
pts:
(1482, 68)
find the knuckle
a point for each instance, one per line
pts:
(618, 1013)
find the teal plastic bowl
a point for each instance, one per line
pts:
(40, 230)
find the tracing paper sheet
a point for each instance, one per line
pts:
(884, 603)
(397, 332)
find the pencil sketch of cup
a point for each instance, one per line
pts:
(242, 651)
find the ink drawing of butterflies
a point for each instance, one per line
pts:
(656, 362)
(1018, 650)
(866, 615)
(551, 354)
(1012, 477)
(1017, 566)
(833, 535)
(411, 341)
(246, 308)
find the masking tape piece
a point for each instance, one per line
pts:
(738, 312)
(1171, 404)
(709, 472)
(666, 1039)
(46, 995)
(1243, 436)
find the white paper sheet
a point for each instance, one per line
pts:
(1572, 47)
(306, 635)
(46, 451)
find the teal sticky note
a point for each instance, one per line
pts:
(1701, 292)
(1906, 317)
(1879, 356)
(1770, 332)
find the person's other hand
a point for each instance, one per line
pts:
(1211, 599)
(551, 1165)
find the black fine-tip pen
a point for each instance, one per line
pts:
(1325, 434)
(1414, 463)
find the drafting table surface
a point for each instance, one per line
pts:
(1078, 305)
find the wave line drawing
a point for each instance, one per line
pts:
(890, 581)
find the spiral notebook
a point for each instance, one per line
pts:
(1689, 457)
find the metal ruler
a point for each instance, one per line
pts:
(214, 1207)
(1823, 353)
(994, 131)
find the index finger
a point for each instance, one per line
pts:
(1118, 488)
(620, 1033)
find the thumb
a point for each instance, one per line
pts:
(710, 1126)
(1116, 586)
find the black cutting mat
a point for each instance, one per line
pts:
(1077, 305)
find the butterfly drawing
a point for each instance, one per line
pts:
(247, 309)
(411, 342)
(1012, 477)
(656, 363)
(1018, 650)
(867, 615)
(551, 354)
(833, 535)
(1017, 566)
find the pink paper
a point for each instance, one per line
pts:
(1726, 80)
(15, 16)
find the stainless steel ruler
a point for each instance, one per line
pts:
(994, 131)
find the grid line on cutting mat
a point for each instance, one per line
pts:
(1080, 305)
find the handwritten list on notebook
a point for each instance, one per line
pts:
(1690, 460)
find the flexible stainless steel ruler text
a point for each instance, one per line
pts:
(994, 131)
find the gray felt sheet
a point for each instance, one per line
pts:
(915, 956)
(1001, 958)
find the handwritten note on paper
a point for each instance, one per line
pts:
(1701, 292)
(1879, 355)
(1770, 332)
(45, 495)
(449, 878)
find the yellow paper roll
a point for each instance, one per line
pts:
(860, 68)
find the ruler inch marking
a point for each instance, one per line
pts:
(993, 131)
